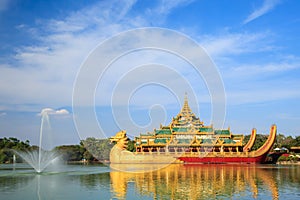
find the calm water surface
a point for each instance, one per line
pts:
(175, 181)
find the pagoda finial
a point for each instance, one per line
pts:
(186, 108)
(186, 118)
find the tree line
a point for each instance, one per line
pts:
(78, 152)
(9, 145)
(92, 149)
(281, 141)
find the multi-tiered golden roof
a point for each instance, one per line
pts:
(187, 133)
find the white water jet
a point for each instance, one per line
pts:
(14, 159)
(39, 159)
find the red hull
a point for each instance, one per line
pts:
(260, 159)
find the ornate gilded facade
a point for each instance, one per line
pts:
(187, 133)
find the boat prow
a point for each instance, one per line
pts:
(251, 141)
(120, 155)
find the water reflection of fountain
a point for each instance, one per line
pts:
(40, 159)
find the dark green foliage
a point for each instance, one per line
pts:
(288, 158)
(13, 143)
(281, 141)
(71, 152)
(287, 142)
(90, 149)
(131, 146)
(246, 139)
(88, 156)
(8, 146)
(260, 140)
(97, 148)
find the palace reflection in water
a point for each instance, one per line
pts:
(175, 181)
(178, 181)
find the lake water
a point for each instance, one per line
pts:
(176, 181)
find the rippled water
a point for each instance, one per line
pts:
(176, 181)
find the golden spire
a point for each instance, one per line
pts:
(186, 117)
(186, 108)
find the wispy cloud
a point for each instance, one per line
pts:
(156, 15)
(236, 43)
(165, 7)
(265, 69)
(49, 67)
(267, 6)
(258, 79)
(262, 82)
(51, 111)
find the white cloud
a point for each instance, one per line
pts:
(157, 15)
(51, 111)
(264, 69)
(165, 6)
(266, 76)
(236, 43)
(44, 73)
(3, 114)
(267, 6)
(258, 92)
(261, 82)
(101, 16)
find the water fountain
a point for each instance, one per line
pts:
(39, 159)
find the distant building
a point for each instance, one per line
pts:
(295, 149)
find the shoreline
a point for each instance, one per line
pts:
(87, 162)
(288, 163)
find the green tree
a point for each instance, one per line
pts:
(71, 152)
(8, 146)
(279, 140)
(297, 141)
(289, 142)
(99, 148)
(259, 141)
(131, 146)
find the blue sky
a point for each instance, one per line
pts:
(255, 45)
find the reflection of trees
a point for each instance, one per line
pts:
(94, 181)
(198, 182)
(290, 174)
(10, 183)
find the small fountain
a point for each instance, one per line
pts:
(39, 159)
(14, 159)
